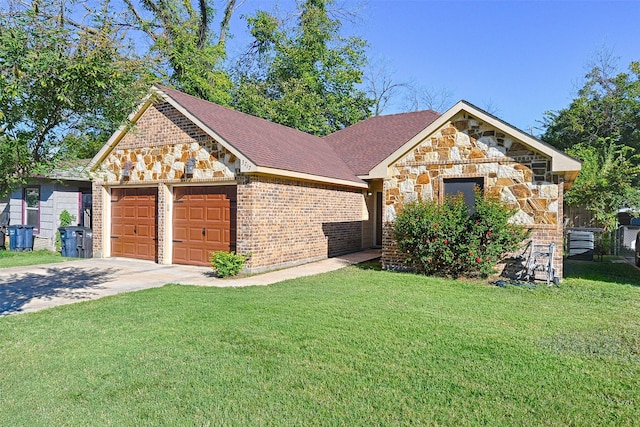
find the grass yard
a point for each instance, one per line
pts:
(352, 347)
(19, 259)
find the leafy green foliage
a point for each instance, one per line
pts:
(607, 106)
(61, 91)
(606, 181)
(305, 78)
(66, 219)
(189, 56)
(444, 239)
(227, 264)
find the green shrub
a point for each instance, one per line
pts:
(445, 239)
(65, 220)
(227, 264)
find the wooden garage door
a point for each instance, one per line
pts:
(133, 223)
(204, 220)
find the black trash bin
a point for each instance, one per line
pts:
(84, 242)
(68, 239)
(3, 237)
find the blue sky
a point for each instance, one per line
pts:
(518, 58)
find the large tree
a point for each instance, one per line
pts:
(606, 181)
(607, 106)
(306, 77)
(62, 89)
(190, 53)
(601, 127)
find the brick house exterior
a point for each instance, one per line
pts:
(187, 174)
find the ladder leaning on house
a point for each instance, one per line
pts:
(540, 259)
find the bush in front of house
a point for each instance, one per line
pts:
(446, 239)
(226, 264)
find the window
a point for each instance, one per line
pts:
(464, 186)
(32, 207)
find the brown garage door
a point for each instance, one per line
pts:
(133, 223)
(204, 220)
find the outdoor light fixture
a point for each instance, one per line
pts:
(126, 171)
(190, 166)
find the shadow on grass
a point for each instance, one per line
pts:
(610, 270)
(374, 264)
(17, 289)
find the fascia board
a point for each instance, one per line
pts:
(560, 161)
(308, 177)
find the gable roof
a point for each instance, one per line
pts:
(560, 161)
(365, 144)
(261, 145)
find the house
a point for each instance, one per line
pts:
(45, 197)
(186, 177)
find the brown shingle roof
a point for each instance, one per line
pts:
(367, 143)
(265, 143)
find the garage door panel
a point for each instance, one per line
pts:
(134, 223)
(199, 208)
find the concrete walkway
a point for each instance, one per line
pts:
(32, 288)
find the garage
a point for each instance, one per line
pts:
(133, 223)
(204, 221)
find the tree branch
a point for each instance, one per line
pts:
(228, 13)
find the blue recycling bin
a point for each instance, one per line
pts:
(25, 237)
(13, 237)
(69, 240)
(20, 237)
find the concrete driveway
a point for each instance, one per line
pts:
(32, 288)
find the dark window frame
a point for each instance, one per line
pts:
(476, 179)
(26, 208)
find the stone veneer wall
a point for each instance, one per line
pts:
(466, 148)
(283, 222)
(158, 146)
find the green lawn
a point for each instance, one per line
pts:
(19, 259)
(353, 347)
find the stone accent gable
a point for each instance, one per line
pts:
(158, 146)
(465, 147)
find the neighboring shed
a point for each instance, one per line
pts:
(44, 198)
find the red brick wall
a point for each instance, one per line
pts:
(283, 222)
(97, 220)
